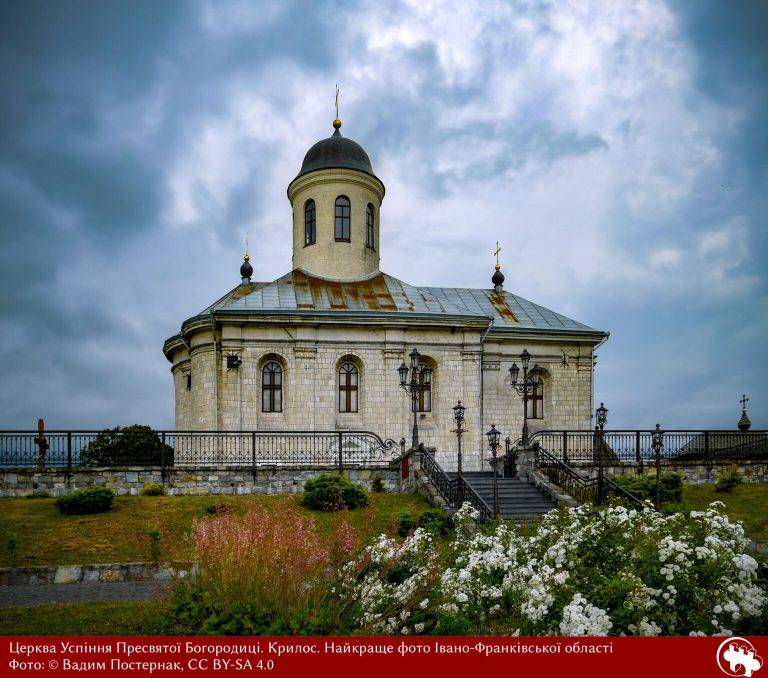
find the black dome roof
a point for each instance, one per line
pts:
(336, 152)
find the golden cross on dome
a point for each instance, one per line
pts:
(246, 248)
(496, 254)
(744, 400)
(337, 121)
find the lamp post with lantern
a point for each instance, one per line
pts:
(657, 443)
(493, 445)
(458, 417)
(601, 418)
(527, 387)
(413, 387)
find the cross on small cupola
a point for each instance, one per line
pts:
(498, 276)
(246, 270)
(744, 422)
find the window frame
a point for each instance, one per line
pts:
(310, 224)
(535, 402)
(349, 388)
(271, 388)
(425, 379)
(370, 226)
(340, 221)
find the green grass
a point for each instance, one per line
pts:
(747, 502)
(46, 537)
(83, 619)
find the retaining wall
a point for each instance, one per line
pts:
(183, 481)
(695, 474)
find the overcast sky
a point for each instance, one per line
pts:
(617, 150)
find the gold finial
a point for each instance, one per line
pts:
(337, 121)
(496, 254)
(245, 256)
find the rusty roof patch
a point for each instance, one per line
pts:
(500, 304)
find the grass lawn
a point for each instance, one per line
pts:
(747, 503)
(46, 537)
(86, 619)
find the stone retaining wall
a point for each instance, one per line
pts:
(695, 474)
(108, 572)
(183, 481)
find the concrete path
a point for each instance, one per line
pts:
(28, 595)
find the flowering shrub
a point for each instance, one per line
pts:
(583, 572)
(263, 573)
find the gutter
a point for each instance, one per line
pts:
(482, 392)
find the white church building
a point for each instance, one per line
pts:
(319, 348)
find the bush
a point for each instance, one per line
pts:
(728, 478)
(89, 500)
(213, 508)
(644, 487)
(582, 571)
(153, 490)
(154, 544)
(435, 521)
(333, 492)
(378, 485)
(38, 494)
(129, 446)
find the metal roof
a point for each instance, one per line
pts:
(299, 292)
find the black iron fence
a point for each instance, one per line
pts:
(91, 449)
(620, 447)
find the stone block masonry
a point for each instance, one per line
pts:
(211, 480)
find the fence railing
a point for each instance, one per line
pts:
(454, 491)
(94, 449)
(584, 489)
(636, 446)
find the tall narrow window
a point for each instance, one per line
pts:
(272, 387)
(310, 229)
(342, 218)
(348, 385)
(425, 392)
(369, 228)
(536, 402)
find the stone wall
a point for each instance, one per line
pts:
(695, 474)
(187, 481)
(465, 366)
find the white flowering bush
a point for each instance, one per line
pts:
(582, 572)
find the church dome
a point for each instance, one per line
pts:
(336, 152)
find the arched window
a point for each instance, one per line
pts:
(348, 387)
(425, 391)
(342, 218)
(535, 402)
(310, 221)
(272, 387)
(370, 240)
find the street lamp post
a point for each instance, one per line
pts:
(413, 387)
(493, 444)
(527, 387)
(657, 442)
(458, 417)
(601, 418)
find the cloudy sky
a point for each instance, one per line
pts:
(616, 150)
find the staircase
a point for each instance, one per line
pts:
(518, 500)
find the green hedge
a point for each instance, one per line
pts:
(89, 500)
(135, 445)
(436, 521)
(333, 492)
(644, 487)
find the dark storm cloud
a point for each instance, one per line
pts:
(105, 105)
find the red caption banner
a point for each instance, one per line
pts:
(384, 656)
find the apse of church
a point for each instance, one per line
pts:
(319, 348)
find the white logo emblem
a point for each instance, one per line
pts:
(736, 657)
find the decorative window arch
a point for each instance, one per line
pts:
(370, 230)
(349, 386)
(342, 219)
(272, 387)
(310, 223)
